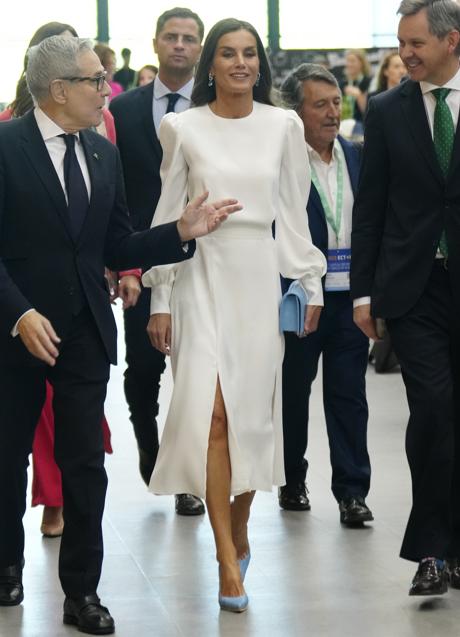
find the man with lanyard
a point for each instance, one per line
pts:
(137, 115)
(406, 269)
(314, 93)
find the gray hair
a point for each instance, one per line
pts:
(54, 58)
(443, 15)
(292, 87)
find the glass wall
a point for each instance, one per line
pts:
(22, 19)
(337, 24)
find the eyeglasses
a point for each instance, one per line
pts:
(98, 80)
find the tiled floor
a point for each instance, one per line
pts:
(309, 576)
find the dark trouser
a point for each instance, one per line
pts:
(79, 379)
(426, 341)
(145, 364)
(345, 351)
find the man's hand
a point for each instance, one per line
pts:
(312, 319)
(129, 289)
(199, 219)
(159, 331)
(39, 337)
(363, 319)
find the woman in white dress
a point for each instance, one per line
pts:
(218, 313)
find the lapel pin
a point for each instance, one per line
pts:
(96, 156)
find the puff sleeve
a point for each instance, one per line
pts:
(298, 258)
(174, 174)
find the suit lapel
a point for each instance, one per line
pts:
(35, 149)
(146, 112)
(94, 162)
(454, 164)
(417, 122)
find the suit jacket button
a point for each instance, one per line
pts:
(71, 291)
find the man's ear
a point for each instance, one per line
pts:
(58, 91)
(154, 41)
(453, 39)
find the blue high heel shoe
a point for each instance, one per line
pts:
(234, 604)
(243, 564)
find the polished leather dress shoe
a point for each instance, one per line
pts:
(430, 579)
(52, 522)
(88, 615)
(187, 504)
(453, 572)
(11, 589)
(354, 511)
(294, 497)
(147, 463)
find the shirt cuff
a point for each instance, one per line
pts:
(137, 272)
(14, 332)
(362, 300)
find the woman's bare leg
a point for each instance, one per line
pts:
(218, 500)
(241, 508)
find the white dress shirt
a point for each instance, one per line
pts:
(160, 100)
(429, 100)
(327, 177)
(56, 148)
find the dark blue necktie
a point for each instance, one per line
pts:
(77, 193)
(172, 101)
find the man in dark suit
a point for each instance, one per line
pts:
(406, 269)
(314, 93)
(63, 216)
(138, 114)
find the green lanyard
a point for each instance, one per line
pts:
(335, 221)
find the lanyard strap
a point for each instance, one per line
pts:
(335, 221)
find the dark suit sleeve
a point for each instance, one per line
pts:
(13, 304)
(370, 206)
(125, 249)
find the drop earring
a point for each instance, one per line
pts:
(257, 80)
(210, 79)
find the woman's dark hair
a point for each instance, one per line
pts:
(23, 101)
(202, 93)
(382, 80)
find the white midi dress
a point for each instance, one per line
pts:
(224, 302)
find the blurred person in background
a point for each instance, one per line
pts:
(138, 114)
(109, 62)
(355, 85)
(125, 76)
(390, 73)
(147, 74)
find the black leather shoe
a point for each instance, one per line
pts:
(354, 511)
(11, 589)
(294, 497)
(429, 579)
(453, 572)
(147, 463)
(88, 615)
(187, 504)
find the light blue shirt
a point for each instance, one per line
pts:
(160, 101)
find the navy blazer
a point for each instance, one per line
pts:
(41, 265)
(140, 151)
